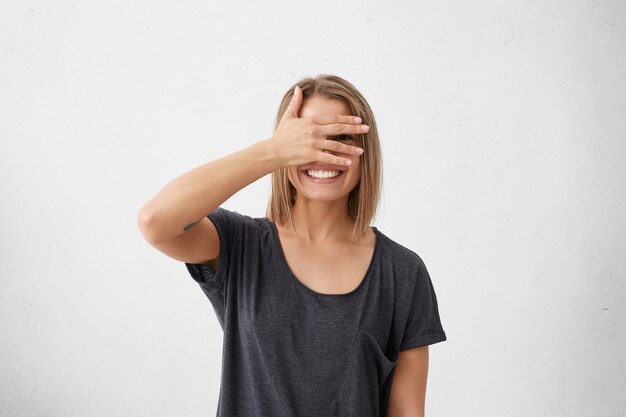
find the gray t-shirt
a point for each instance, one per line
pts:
(291, 351)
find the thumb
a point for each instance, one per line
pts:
(294, 104)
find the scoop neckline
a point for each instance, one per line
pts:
(294, 278)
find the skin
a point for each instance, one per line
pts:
(320, 212)
(408, 388)
(317, 252)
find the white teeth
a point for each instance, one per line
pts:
(322, 174)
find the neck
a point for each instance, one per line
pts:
(322, 221)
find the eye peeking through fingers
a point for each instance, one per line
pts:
(344, 137)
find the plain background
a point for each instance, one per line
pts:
(503, 132)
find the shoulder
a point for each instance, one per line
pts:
(400, 255)
(237, 230)
(235, 218)
(405, 265)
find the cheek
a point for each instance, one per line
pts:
(356, 162)
(355, 169)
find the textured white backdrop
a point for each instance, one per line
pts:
(503, 129)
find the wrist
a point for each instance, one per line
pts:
(265, 155)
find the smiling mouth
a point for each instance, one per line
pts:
(322, 176)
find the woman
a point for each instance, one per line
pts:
(322, 314)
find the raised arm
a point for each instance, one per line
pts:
(175, 220)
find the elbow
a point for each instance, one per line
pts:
(146, 221)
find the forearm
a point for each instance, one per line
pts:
(190, 197)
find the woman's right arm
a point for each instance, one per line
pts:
(180, 208)
(175, 220)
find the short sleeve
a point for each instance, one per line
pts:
(423, 325)
(213, 282)
(225, 223)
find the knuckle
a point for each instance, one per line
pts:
(339, 127)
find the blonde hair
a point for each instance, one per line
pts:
(364, 198)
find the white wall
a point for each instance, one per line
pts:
(506, 120)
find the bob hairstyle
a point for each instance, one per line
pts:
(365, 196)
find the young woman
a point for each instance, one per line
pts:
(323, 314)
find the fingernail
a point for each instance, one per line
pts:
(359, 150)
(365, 128)
(348, 162)
(357, 120)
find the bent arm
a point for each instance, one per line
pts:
(188, 199)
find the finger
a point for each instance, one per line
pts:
(338, 147)
(294, 104)
(325, 119)
(342, 128)
(333, 160)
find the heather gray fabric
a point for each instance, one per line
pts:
(291, 351)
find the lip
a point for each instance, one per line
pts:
(323, 180)
(325, 168)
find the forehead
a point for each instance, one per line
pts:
(318, 105)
